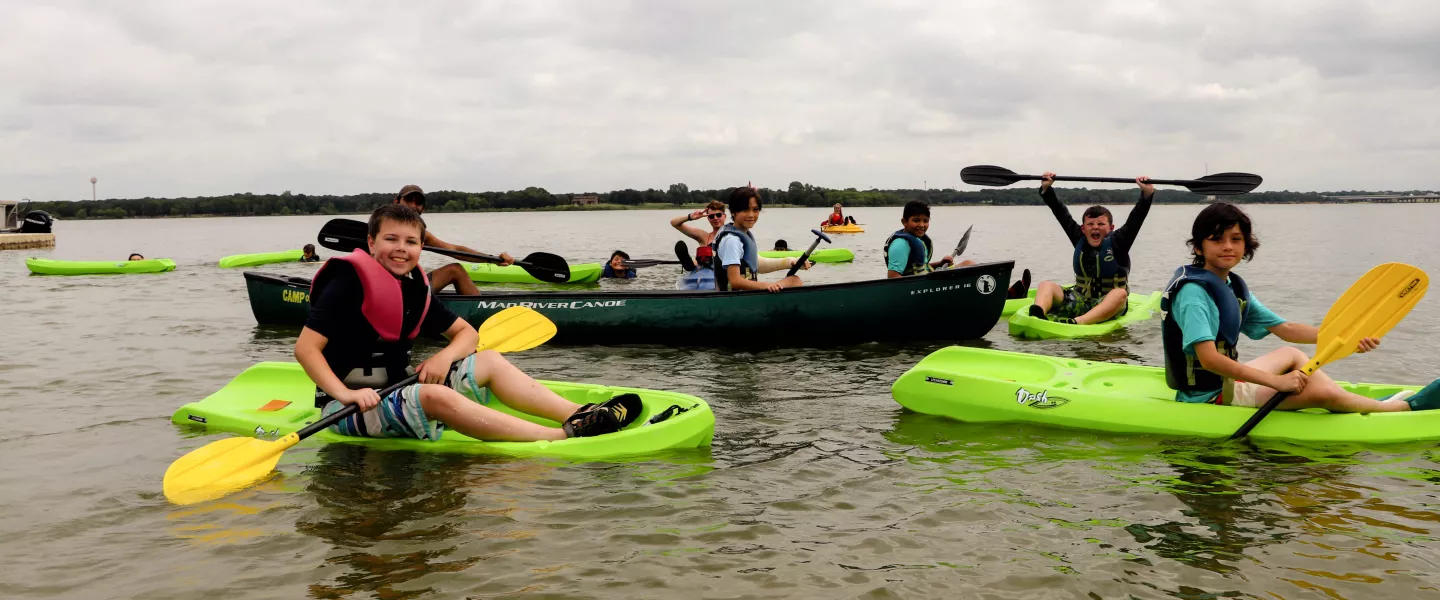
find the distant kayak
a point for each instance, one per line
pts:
(272, 399)
(488, 273)
(842, 229)
(262, 258)
(45, 266)
(1142, 308)
(986, 386)
(820, 255)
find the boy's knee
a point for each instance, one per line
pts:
(1296, 355)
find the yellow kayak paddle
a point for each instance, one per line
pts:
(1372, 306)
(228, 465)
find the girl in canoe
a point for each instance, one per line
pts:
(1102, 260)
(452, 274)
(1207, 307)
(737, 255)
(365, 311)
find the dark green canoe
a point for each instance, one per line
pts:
(954, 304)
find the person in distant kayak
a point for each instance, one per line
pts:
(908, 251)
(737, 256)
(365, 311)
(1101, 261)
(1207, 306)
(781, 246)
(838, 217)
(616, 268)
(714, 215)
(135, 256)
(453, 273)
(307, 254)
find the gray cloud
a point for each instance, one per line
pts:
(181, 99)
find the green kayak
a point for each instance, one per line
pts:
(272, 399)
(1142, 308)
(262, 258)
(45, 266)
(985, 386)
(488, 273)
(820, 255)
(1015, 304)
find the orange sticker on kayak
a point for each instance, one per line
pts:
(274, 405)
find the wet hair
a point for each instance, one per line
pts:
(417, 198)
(914, 207)
(1212, 222)
(308, 249)
(135, 254)
(781, 245)
(1098, 211)
(619, 253)
(740, 198)
(398, 213)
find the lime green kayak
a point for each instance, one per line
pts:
(262, 258)
(982, 386)
(1142, 308)
(45, 266)
(272, 399)
(820, 255)
(1015, 304)
(488, 273)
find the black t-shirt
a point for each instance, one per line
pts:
(335, 313)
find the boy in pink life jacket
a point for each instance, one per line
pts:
(365, 311)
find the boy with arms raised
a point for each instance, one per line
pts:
(453, 273)
(365, 311)
(1101, 261)
(1207, 307)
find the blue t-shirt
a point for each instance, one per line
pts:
(899, 255)
(1199, 321)
(731, 252)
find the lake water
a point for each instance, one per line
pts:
(818, 484)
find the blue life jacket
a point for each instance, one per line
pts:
(1183, 370)
(749, 262)
(702, 278)
(920, 250)
(1098, 270)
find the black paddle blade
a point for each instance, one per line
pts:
(344, 235)
(546, 267)
(682, 252)
(990, 175)
(1225, 184)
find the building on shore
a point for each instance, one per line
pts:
(585, 199)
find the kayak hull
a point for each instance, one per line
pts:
(1013, 305)
(842, 229)
(45, 266)
(983, 386)
(236, 408)
(1142, 308)
(488, 273)
(820, 255)
(262, 258)
(838, 313)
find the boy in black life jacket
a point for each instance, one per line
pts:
(1101, 261)
(908, 251)
(365, 311)
(1207, 307)
(453, 273)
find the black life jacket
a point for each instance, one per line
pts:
(1182, 370)
(921, 248)
(1098, 270)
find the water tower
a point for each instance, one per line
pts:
(92, 188)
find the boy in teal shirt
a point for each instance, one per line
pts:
(1208, 307)
(908, 250)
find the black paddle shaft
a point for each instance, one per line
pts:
(1219, 184)
(1255, 419)
(347, 235)
(351, 409)
(819, 235)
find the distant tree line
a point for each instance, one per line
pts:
(679, 194)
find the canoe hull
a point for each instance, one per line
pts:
(236, 408)
(980, 386)
(965, 302)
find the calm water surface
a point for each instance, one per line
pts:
(818, 485)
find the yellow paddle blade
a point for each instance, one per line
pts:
(221, 467)
(1370, 308)
(514, 329)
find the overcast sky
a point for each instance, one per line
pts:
(191, 98)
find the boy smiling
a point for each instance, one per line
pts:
(1101, 260)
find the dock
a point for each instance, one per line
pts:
(21, 241)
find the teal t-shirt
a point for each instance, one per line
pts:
(899, 256)
(1199, 321)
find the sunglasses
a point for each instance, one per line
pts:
(713, 215)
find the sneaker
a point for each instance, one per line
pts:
(1427, 398)
(1399, 396)
(608, 417)
(1037, 312)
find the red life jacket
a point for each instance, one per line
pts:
(384, 303)
(836, 219)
